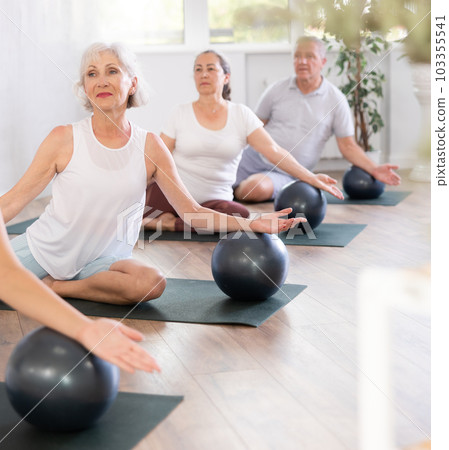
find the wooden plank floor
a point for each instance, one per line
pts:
(292, 382)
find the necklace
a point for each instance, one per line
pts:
(214, 109)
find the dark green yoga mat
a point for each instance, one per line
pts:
(128, 421)
(20, 227)
(325, 235)
(193, 301)
(388, 198)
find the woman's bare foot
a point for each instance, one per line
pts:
(165, 222)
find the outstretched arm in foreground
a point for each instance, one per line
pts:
(106, 338)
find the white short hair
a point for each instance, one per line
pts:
(126, 59)
(315, 40)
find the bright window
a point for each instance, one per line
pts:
(248, 21)
(135, 22)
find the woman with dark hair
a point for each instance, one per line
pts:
(206, 138)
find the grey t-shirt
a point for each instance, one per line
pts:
(300, 123)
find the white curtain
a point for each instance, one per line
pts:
(40, 48)
(41, 42)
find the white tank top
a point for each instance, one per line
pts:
(96, 207)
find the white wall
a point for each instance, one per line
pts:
(41, 48)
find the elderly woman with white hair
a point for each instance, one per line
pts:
(100, 167)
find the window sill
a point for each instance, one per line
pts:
(225, 48)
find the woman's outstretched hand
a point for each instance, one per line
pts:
(327, 183)
(273, 222)
(116, 343)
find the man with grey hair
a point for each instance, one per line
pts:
(301, 113)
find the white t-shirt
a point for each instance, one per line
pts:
(207, 160)
(96, 204)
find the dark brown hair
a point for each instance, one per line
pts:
(226, 94)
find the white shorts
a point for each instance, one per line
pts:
(23, 252)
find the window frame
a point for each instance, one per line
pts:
(196, 35)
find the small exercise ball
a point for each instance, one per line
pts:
(74, 388)
(360, 185)
(305, 200)
(250, 266)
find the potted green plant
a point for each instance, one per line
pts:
(352, 27)
(359, 27)
(362, 85)
(414, 19)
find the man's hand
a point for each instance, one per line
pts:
(386, 174)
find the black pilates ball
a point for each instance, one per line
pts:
(54, 383)
(305, 200)
(360, 185)
(250, 266)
